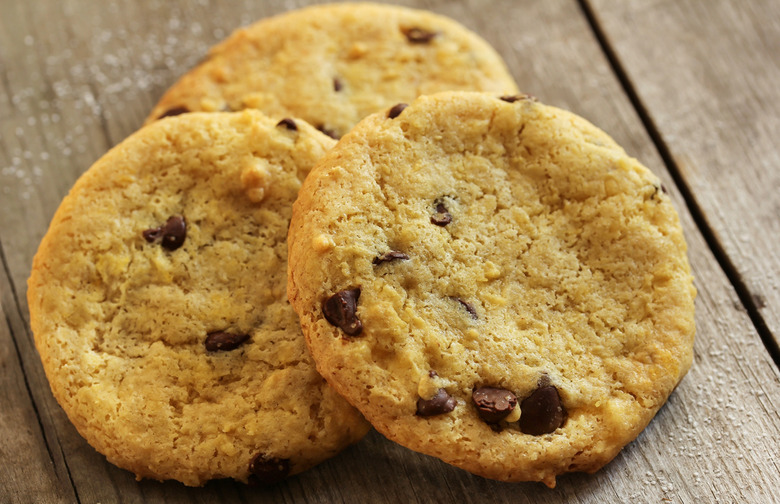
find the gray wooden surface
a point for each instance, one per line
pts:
(688, 87)
(715, 111)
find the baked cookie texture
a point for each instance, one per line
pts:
(334, 64)
(158, 305)
(494, 282)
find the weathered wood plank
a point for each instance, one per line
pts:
(707, 74)
(71, 89)
(32, 471)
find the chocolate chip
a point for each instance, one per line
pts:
(153, 234)
(390, 256)
(439, 404)
(328, 131)
(517, 97)
(341, 310)
(172, 233)
(542, 412)
(288, 123)
(419, 36)
(493, 404)
(267, 470)
(442, 217)
(221, 340)
(658, 188)
(396, 110)
(174, 112)
(468, 307)
(337, 84)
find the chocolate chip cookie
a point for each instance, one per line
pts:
(334, 64)
(494, 282)
(158, 305)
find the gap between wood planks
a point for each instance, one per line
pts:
(743, 292)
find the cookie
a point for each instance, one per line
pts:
(158, 305)
(493, 282)
(334, 64)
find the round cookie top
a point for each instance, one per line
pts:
(334, 64)
(494, 282)
(158, 305)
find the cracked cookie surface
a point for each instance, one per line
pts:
(334, 64)
(158, 305)
(520, 284)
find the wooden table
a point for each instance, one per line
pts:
(689, 87)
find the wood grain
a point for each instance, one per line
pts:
(707, 74)
(78, 76)
(32, 470)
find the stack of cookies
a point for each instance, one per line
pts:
(233, 293)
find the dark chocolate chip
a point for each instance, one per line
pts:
(439, 404)
(542, 412)
(390, 256)
(658, 188)
(172, 233)
(221, 340)
(496, 427)
(432, 373)
(442, 217)
(288, 123)
(396, 110)
(419, 36)
(267, 470)
(517, 97)
(468, 307)
(341, 310)
(328, 131)
(174, 112)
(337, 84)
(153, 234)
(493, 404)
